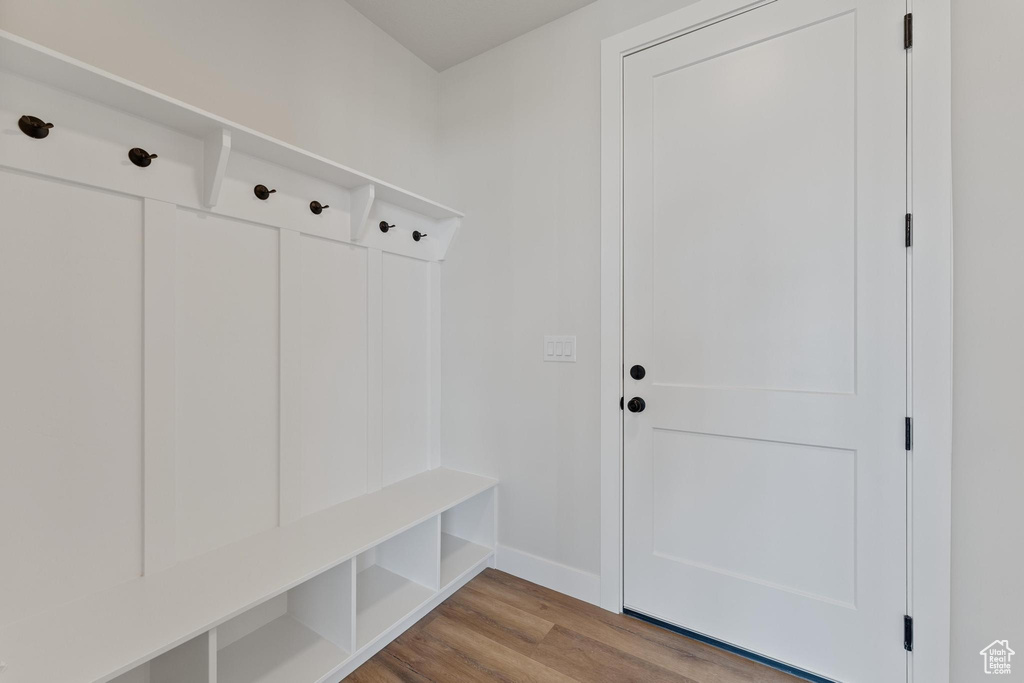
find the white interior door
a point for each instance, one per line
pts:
(765, 296)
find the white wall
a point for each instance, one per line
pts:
(988, 370)
(314, 73)
(520, 146)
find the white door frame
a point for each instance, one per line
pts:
(929, 267)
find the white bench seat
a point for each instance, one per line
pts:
(99, 637)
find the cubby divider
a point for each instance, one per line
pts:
(395, 578)
(467, 536)
(301, 635)
(191, 662)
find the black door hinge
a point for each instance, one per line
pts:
(908, 436)
(910, 230)
(908, 31)
(908, 633)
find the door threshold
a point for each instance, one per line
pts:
(722, 645)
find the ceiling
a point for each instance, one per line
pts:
(444, 33)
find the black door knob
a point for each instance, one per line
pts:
(636, 405)
(637, 372)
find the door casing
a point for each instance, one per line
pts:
(929, 182)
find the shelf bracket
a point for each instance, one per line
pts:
(447, 229)
(362, 202)
(216, 148)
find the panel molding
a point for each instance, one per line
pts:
(375, 370)
(229, 359)
(407, 367)
(435, 365)
(290, 405)
(159, 385)
(824, 571)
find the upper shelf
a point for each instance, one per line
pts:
(111, 632)
(43, 65)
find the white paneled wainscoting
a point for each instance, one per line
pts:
(220, 435)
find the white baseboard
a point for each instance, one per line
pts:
(558, 577)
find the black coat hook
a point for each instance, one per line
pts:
(140, 157)
(384, 227)
(34, 127)
(417, 235)
(262, 192)
(317, 208)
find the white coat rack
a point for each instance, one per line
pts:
(221, 426)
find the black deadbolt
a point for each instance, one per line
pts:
(317, 208)
(262, 192)
(637, 372)
(140, 157)
(636, 405)
(34, 127)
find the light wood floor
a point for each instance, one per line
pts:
(501, 628)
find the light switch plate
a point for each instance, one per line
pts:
(559, 349)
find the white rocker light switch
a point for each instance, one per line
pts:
(559, 349)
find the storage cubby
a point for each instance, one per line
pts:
(395, 579)
(301, 635)
(190, 662)
(467, 536)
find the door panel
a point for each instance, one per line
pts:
(765, 293)
(790, 536)
(736, 301)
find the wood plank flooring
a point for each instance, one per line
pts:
(501, 628)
